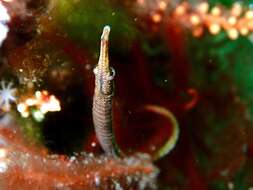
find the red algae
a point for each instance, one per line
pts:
(26, 166)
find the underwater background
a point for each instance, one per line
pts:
(182, 94)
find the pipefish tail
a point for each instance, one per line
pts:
(103, 98)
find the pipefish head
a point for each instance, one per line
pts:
(103, 72)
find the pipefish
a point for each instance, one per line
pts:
(103, 98)
(102, 106)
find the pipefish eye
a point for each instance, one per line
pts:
(112, 74)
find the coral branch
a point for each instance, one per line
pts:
(235, 21)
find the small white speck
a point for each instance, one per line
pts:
(3, 167)
(230, 185)
(97, 180)
(3, 152)
(129, 180)
(93, 144)
(4, 16)
(88, 67)
(251, 38)
(152, 147)
(72, 159)
(117, 185)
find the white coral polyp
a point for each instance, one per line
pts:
(3, 33)
(7, 96)
(4, 18)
